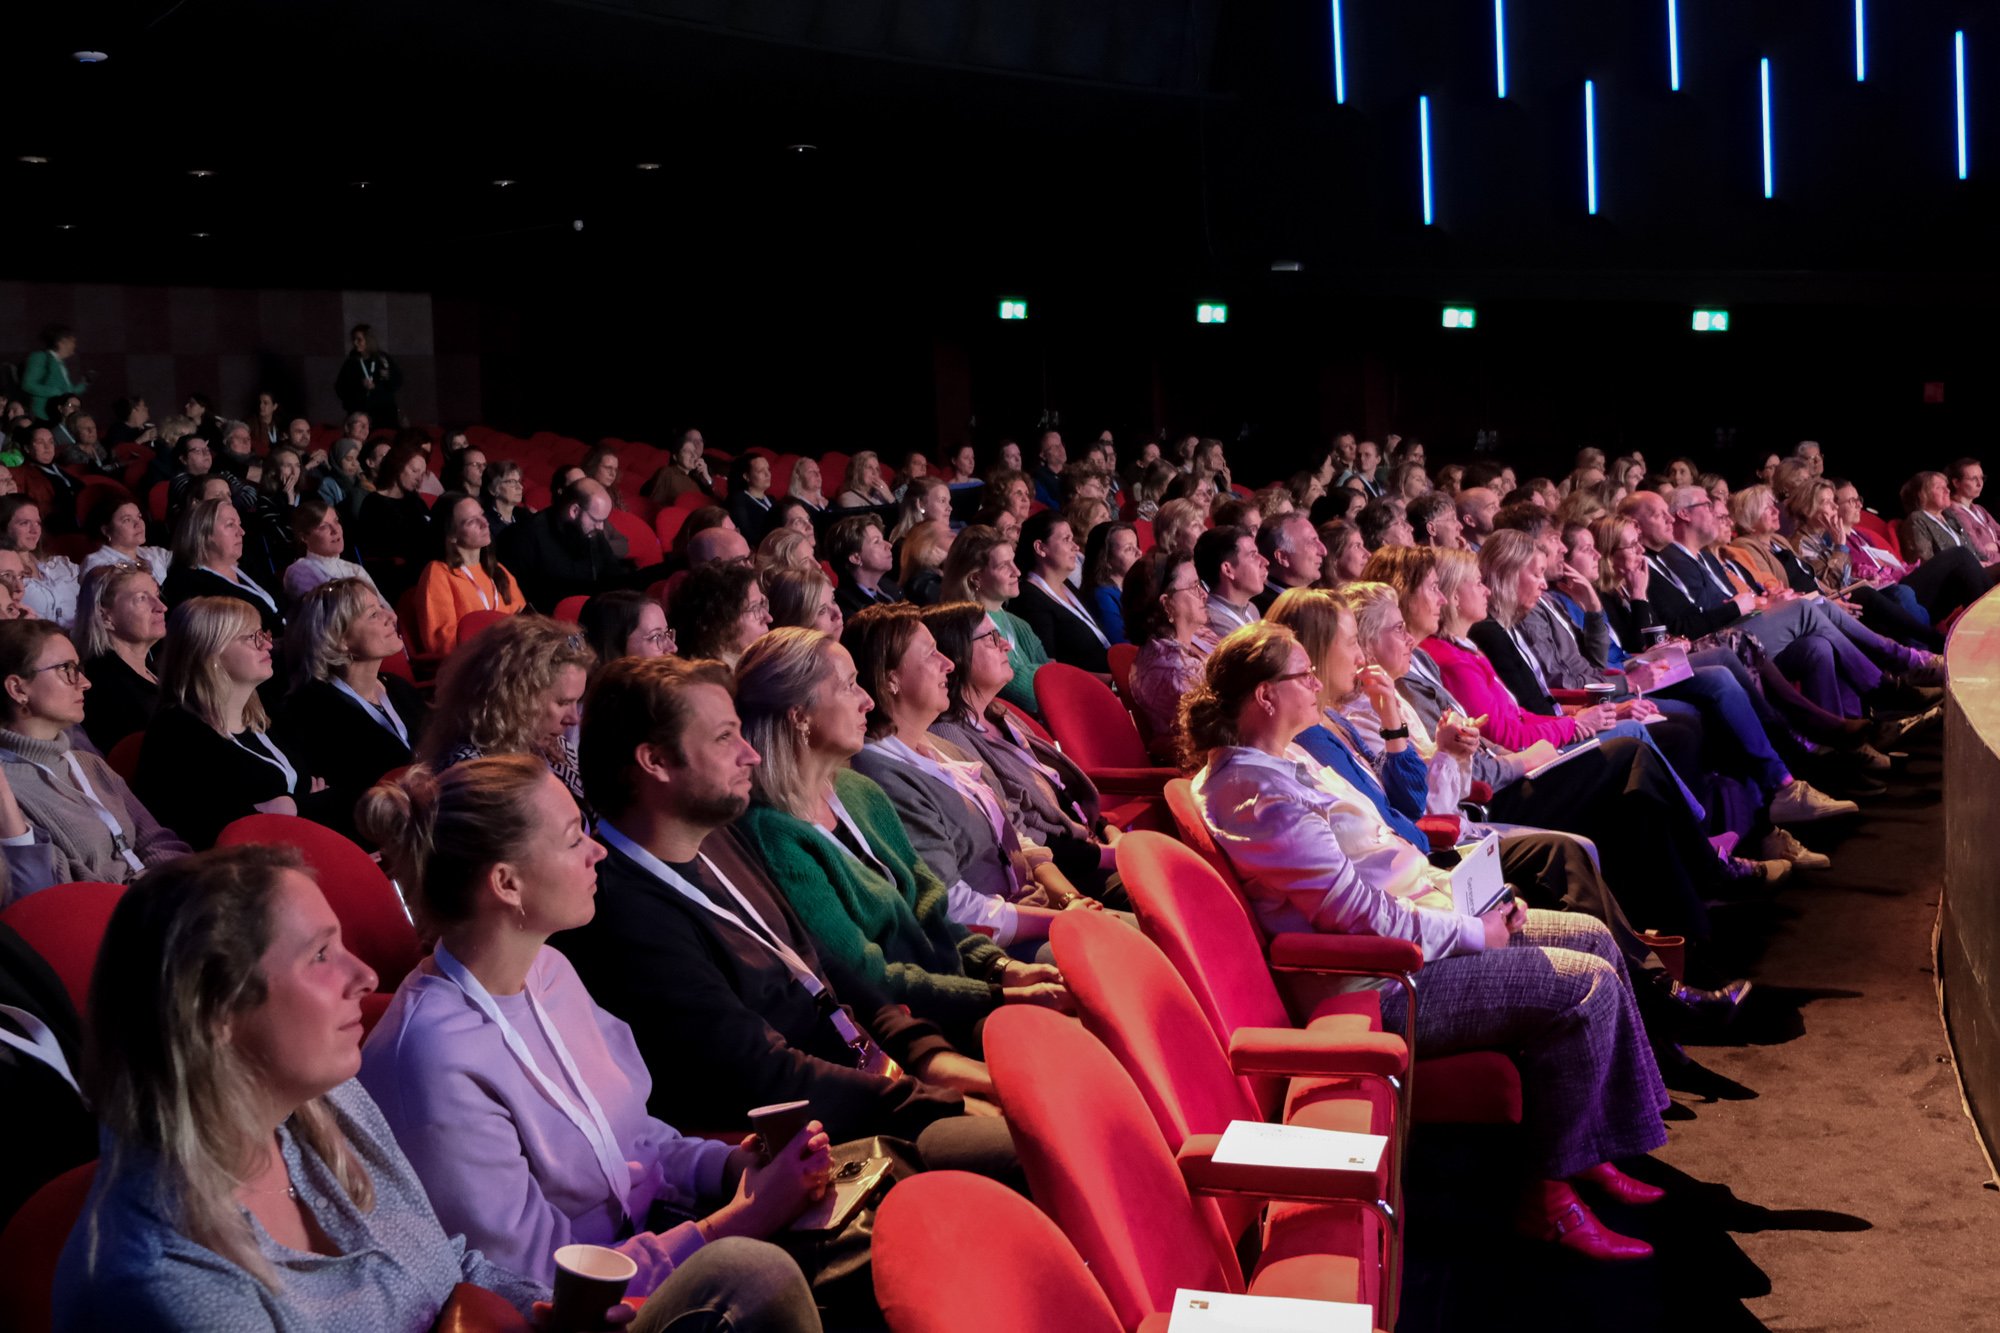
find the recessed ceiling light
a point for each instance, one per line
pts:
(201, 174)
(88, 57)
(801, 147)
(34, 161)
(1285, 266)
(649, 166)
(360, 185)
(65, 226)
(503, 184)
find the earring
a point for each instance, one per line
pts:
(520, 917)
(805, 730)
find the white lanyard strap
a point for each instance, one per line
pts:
(590, 1116)
(273, 756)
(484, 600)
(384, 713)
(40, 1043)
(867, 1057)
(245, 582)
(1067, 601)
(119, 842)
(1659, 563)
(863, 851)
(1528, 656)
(965, 784)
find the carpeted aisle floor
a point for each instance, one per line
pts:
(1822, 1173)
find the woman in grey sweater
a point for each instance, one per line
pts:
(83, 821)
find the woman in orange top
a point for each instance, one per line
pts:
(466, 579)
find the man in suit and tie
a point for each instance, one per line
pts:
(1692, 595)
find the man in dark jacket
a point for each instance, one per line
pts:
(563, 549)
(696, 948)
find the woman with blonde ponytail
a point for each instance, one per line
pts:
(247, 1181)
(522, 1104)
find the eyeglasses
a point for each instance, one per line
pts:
(258, 638)
(1312, 676)
(1197, 586)
(662, 639)
(72, 671)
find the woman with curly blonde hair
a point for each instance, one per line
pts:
(521, 693)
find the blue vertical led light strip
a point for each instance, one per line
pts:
(1860, 42)
(1764, 91)
(1958, 63)
(1424, 152)
(1339, 59)
(1500, 45)
(1590, 144)
(1673, 46)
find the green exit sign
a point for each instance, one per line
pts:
(1460, 317)
(1211, 312)
(1011, 309)
(1711, 321)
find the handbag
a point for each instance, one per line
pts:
(838, 1262)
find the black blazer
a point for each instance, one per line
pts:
(752, 519)
(551, 561)
(847, 595)
(327, 734)
(723, 1020)
(47, 1124)
(1693, 607)
(120, 701)
(1512, 668)
(195, 780)
(1066, 638)
(184, 583)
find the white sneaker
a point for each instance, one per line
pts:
(1802, 803)
(1778, 845)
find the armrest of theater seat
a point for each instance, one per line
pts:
(1305, 1053)
(1132, 781)
(1203, 1173)
(1304, 951)
(1481, 793)
(1582, 698)
(1442, 830)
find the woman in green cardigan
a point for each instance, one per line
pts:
(980, 568)
(836, 848)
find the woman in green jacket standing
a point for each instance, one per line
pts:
(45, 374)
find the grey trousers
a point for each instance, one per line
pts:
(732, 1285)
(1559, 1002)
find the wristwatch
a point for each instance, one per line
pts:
(1396, 733)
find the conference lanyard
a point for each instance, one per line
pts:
(1067, 601)
(867, 1056)
(40, 1043)
(384, 712)
(862, 852)
(244, 582)
(273, 756)
(588, 1118)
(963, 780)
(484, 600)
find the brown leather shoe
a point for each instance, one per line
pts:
(1550, 1211)
(1618, 1187)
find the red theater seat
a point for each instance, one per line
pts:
(374, 925)
(65, 923)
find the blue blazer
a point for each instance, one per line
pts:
(1399, 808)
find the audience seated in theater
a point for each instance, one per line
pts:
(718, 610)
(686, 471)
(496, 858)
(463, 471)
(208, 556)
(681, 946)
(1929, 526)
(466, 577)
(344, 719)
(750, 497)
(954, 819)
(1383, 523)
(1046, 796)
(117, 523)
(1967, 480)
(1433, 520)
(502, 489)
(247, 1179)
(804, 486)
(1593, 1093)
(714, 545)
(42, 479)
(56, 822)
(520, 693)
(864, 486)
(1166, 608)
(861, 559)
(561, 551)
(394, 531)
(1008, 491)
(1476, 507)
(785, 547)
(1051, 457)
(981, 569)
(1045, 602)
(1110, 551)
(624, 623)
(120, 619)
(1346, 553)
(927, 500)
(51, 586)
(208, 758)
(1227, 560)
(835, 844)
(920, 566)
(320, 532)
(1776, 568)
(1826, 532)
(802, 597)
(1294, 556)
(341, 483)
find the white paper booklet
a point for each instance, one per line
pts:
(1223, 1312)
(1253, 1143)
(1477, 885)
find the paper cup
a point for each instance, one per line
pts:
(779, 1123)
(590, 1279)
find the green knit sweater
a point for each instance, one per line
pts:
(1026, 656)
(897, 934)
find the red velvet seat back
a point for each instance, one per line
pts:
(640, 538)
(32, 1243)
(571, 608)
(1096, 1162)
(65, 924)
(1086, 718)
(373, 923)
(943, 1236)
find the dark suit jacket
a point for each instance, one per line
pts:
(48, 1128)
(723, 1024)
(1066, 638)
(551, 561)
(328, 734)
(1695, 607)
(184, 583)
(849, 597)
(1512, 668)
